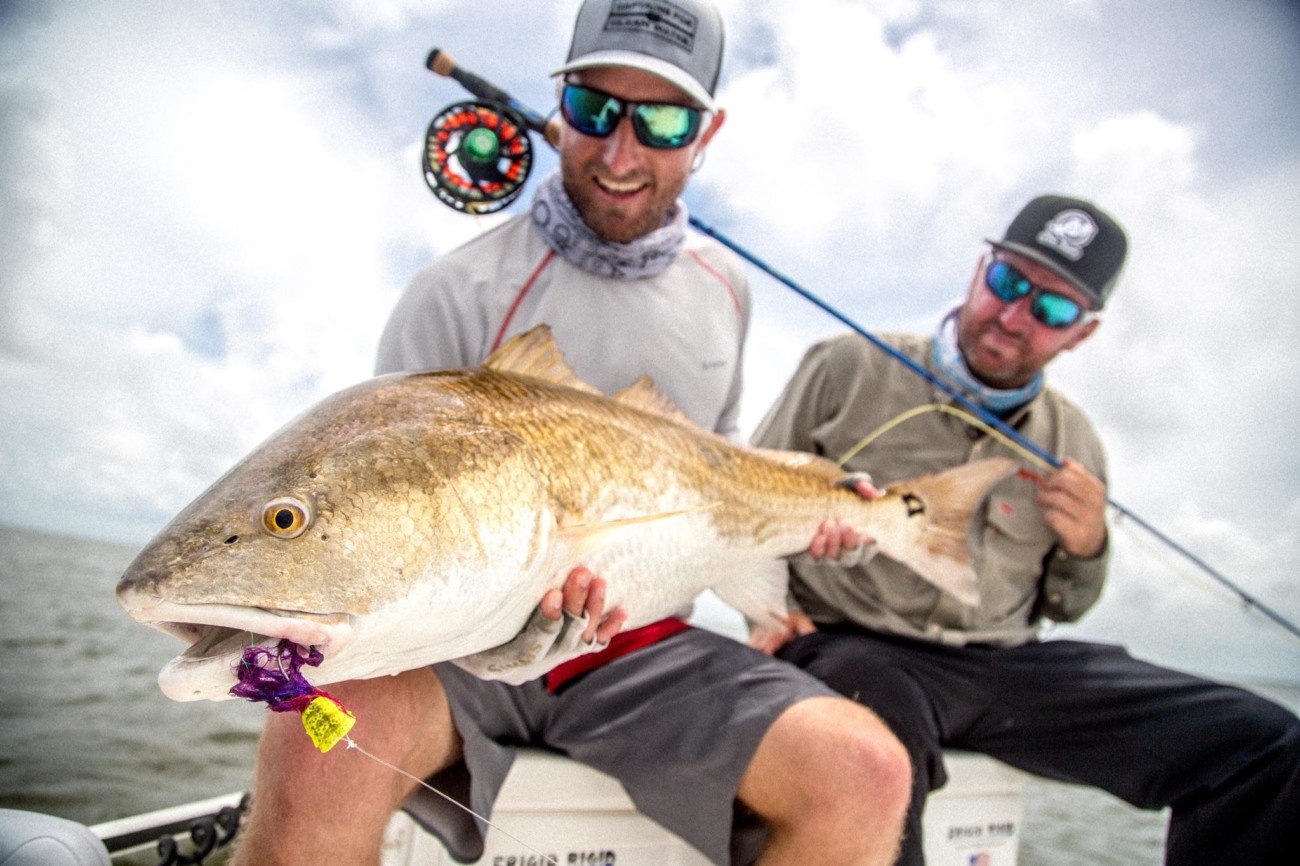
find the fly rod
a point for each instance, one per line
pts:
(441, 63)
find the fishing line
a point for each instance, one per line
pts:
(1249, 600)
(949, 410)
(1215, 589)
(1212, 588)
(352, 744)
(442, 64)
(1156, 554)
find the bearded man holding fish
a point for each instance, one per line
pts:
(698, 727)
(975, 675)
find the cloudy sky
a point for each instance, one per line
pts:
(208, 209)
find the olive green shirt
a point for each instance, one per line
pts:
(846, 388)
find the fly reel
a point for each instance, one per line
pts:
(477, 156)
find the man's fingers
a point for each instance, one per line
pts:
(605, 630)
(800, 624)
(833, 539)
(584, 595)
(577, 587)
(1073, 502)
(821, 542)
(860, 483)
(767, 640)
(595, 603)
(552, 605)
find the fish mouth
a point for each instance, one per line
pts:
(218, 635)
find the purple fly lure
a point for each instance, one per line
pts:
(275, 675)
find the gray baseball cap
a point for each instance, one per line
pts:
(678, 40)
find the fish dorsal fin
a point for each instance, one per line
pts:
(643, 394)
(534, 353)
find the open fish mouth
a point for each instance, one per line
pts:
(218, 635)
(216, 641)
(207, 626)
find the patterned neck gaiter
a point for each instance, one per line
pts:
(565, 232)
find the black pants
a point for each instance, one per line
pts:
(1226, 760)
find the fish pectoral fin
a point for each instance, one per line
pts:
(759, 593)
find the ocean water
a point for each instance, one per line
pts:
(85, 733)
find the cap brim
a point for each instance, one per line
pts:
(1035, 255)
(635, 60)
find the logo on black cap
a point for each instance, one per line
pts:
(1069, 232)
(1057, 230)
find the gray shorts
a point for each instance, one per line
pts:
(676, 722)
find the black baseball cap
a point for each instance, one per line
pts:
(1074, 238)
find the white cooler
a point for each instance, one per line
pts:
(580, 817)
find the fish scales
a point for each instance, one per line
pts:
(586, 444)
(420, 517)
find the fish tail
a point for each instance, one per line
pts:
(924, 523)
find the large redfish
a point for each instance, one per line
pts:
(420, 517)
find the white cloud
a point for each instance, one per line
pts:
(1137, 151)
(209, 212)
(854, 130)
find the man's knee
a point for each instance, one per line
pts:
(868, 762)
(830, 777)
(835, 755)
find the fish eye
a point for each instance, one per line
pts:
(286, 517)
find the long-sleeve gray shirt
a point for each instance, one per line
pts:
(685, 327)
(844, 390)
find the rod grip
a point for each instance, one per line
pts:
(441, 63)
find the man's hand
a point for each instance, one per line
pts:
(835, 542)
(769, 640)
(584, 594)
(839, 542)
(1073, 501)
(568, 623)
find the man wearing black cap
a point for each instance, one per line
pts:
(945, 674)
(689, 721)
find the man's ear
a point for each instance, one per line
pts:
(715, 124)
(1084, 333)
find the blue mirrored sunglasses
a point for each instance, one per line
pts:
(1050, 308)
(661, 125)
